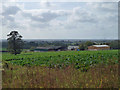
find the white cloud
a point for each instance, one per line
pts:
(43, 15)
(103, 7)
(80, 15)
(96, 20)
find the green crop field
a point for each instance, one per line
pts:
(63, 69)
(80, 59)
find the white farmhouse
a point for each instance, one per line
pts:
(73, 47)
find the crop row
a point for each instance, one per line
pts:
(82, 60)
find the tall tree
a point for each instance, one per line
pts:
(15, 43)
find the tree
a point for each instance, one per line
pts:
(82, 47)
(115, 44)
(88, 43)
(15, 43)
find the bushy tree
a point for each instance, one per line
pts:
(82, 47)
(89, 43)
(115, 44)
(15, 43)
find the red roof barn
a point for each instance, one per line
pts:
(99, 47)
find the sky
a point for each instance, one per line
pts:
(60, 20)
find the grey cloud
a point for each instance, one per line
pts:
(90, 20)
(37, 22)
(47, 4)
(10, 18)
(11, 10)
(44, 16)
(26, 14)
(40, 25)
(8, 14)
(83, 16)
(9, 24)
(109, 6)
(4, 22)
(104, 6)
(87, 18)
(13, 25)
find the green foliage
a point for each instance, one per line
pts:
(15, 43)
(32, 48)
(89, 43)
(81, 60)
(82, 47)
(115, 44)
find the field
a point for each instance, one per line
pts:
(64, 69)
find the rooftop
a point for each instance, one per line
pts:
(100, 45)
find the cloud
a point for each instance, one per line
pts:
(40, 26)
(11, 10)
(45, 4)
(103, 6)
(87, 20)
(8, 16)
(43, 16)
(10, 1)
(81, 15)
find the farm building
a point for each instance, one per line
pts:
(76, 48)
(53, 48)
(99, 47)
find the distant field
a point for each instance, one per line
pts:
(80, 59)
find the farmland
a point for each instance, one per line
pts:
(64, 58)
(55, 66)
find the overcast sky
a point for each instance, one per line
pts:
(61, 20)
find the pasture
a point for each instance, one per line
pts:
(64, 69)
